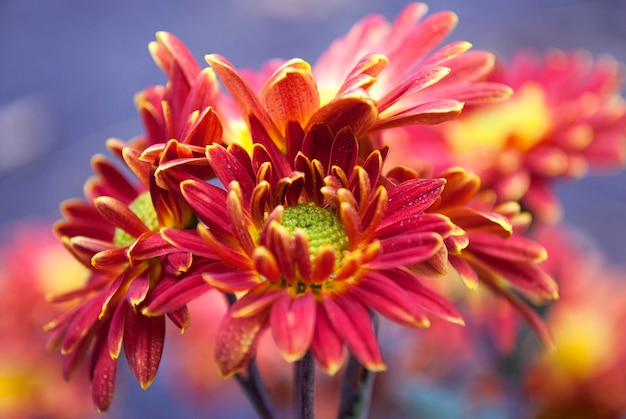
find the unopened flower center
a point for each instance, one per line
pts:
(143, 208)
(322, 227)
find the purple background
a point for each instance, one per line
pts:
(69, 70)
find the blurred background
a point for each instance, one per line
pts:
(69, 70)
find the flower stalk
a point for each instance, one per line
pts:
(304, 395)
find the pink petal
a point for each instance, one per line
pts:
(243, 95)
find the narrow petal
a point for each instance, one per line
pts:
(243, 95)
(120, 215)
(326, 346)
(424, 297)
(465, 271)
(353, 323)
(255, 301)
(143, 345)
(514, 248)
(189, 241)
(413, 196)
(174, 295)
(435, 112)
(103, 378)
(116, 331)
(381, 294)
(236, 341)
(148, 246)
(407, 249)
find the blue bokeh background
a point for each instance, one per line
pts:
(69, 70)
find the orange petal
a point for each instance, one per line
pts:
(290, 94)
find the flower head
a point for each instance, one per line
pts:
(585, 373)
(565, 117)
(493, 251)
(377, 76)
(115, 234)
(311, 243)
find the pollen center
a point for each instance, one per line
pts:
(143, 208)
(322, 227)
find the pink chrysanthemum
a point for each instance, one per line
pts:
(378, 76)
(566, 116)
(312, 243)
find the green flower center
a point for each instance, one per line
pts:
(322, 227)
(143, 208)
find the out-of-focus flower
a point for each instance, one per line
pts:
(565, 117)
(115, 233)
(314, 240)
(586, 375)
(33, 264)
(379, 75)
(494, 251)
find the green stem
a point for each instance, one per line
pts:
(304, 388)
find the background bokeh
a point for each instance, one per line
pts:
(69, 70)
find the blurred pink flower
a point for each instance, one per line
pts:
(34, 264)
(566, 116)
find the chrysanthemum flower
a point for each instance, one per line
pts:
(565, 117)
(378, 76)
(311, 243)
(115, 233)
(494, 251)
(585, 375)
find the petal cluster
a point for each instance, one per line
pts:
(313, 243)
(115, 234)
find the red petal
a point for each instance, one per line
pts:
(413, 196)
(353, 323)
(292, 321)
(143, 345)
(103, 381)
(424, 297)
(326, 346)
(378, 292)
(120, 215)
(406, 249)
